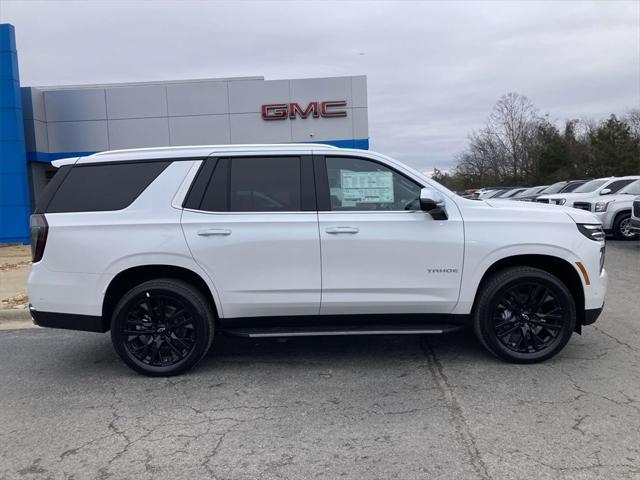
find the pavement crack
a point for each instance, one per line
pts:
(455, 410)
(615, 339)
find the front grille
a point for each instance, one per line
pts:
(582, 206)
(542, 200)
(636, 208)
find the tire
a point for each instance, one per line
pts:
(621, 228)
(173, 324)
(533, 307)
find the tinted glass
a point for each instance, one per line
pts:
(554, 188)
(528, 191)
(357, 184)
(95, 188)
(268, 184)
(571, 186)
(513, 193)
(589, 186)
(216, 197)
(199, 185)
(618, 184)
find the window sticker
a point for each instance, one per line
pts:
(366, 187)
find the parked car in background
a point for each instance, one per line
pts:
(614, 210)
(488, 191)
(598, 186)
(508, 193)
(559, 187)
(635, 215)
(528, 194)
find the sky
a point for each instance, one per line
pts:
(434, 69)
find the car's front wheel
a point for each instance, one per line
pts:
(524, 315)
(622, 227)
(162, 327)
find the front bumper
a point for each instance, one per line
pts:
(590, 316)
(606, 219)
(635, 224)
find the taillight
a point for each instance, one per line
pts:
(39, 231)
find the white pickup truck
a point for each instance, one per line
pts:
(614, 211)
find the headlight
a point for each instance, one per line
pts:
(593, 231)
(561, 201)
(601, 206)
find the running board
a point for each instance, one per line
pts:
(337, 330)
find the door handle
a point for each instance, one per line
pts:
(214, 231)
(336, 230)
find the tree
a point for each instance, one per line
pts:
(614, 150)
(518, 146)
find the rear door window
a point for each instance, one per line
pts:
(98, 188)
(256, 184)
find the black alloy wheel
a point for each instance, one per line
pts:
(528, 318)
(524, 315)
(159, 330)
(162, 327)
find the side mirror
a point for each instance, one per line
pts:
(432, 202)
(605, 191)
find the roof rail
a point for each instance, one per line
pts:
(218, 147)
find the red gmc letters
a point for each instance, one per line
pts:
(281, 111)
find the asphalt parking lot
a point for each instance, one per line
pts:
(335, 408)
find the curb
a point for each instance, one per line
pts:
(15, 315)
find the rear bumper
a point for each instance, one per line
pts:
(68, 321)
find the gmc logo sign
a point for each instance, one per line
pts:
(282, 111)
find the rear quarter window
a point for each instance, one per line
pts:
(97, 188)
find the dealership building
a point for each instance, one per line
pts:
(42, 124)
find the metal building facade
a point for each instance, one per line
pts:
(66, 121)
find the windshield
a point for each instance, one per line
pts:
(528, 191)
(554, 188)
(590, 186)
(632, 188)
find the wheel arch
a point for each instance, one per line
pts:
(132, 276)
(556, 266)
(620, 213)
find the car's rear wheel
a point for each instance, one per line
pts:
(162, 327)
(524, 315)
(622, 227)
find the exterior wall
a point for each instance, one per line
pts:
(14, 193)
(41, 124)
(68, 121)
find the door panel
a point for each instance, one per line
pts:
(396, 262)
(262, 264)
(380, 254)
(254, 229)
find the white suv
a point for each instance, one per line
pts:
(614, 211)
(166, 246)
